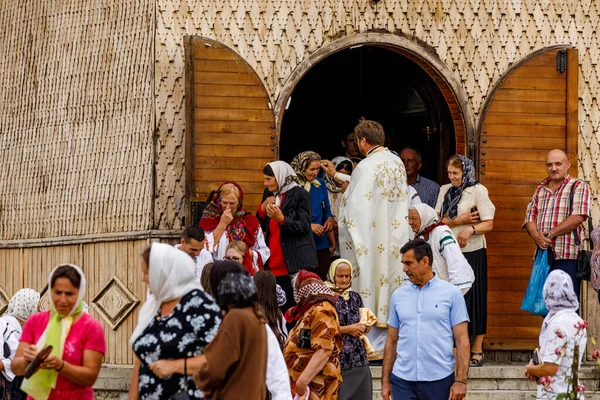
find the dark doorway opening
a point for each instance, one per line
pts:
(378, 84)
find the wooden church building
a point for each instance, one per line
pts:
(117, 118)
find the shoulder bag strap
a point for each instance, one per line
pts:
(571, 195)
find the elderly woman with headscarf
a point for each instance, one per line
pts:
(307, 166)
(313, 346)
(175, 324)
(353, 358)
(286, 214)
(335, 188)
(234, 364)
(224, 220)
(562, 329)
(464, 205)
(20, 307)
(77, 340)
(449, 263)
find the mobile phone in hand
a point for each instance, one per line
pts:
(536, 357)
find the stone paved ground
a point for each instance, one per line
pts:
(493, 381)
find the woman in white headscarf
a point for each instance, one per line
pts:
(286, 219)
(449, 263)
(21, 306)
(175, 324)
(562, 329)
(77, 340)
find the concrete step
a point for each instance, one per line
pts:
(495, 381)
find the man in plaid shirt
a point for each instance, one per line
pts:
(552, 220)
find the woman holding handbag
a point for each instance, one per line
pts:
(21, 306)
(76, 341)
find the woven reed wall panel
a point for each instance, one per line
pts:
(76, 121)
(478, 40)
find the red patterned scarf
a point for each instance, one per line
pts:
(244, 226)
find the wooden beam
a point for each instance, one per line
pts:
(572, 109)
(189, 124)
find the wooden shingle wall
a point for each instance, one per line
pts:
(478, 40)
(76, 117)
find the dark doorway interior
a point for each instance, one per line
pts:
(376, 83)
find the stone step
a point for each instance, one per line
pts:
(495, 381)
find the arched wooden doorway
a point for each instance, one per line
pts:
(375, 83)
(532, 111)
(423, 56)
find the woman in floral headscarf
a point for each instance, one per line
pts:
(313, 346)
(335, 188)
(464, 205)
(224, 220)
(449, 263)
(354, 361)
(307, 166)
(21, 306)
(561, 330)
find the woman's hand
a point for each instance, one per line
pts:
(301, 387)
(52, 362)
(163, 368)
(467, 218)
(328, 167)
(527, 374)
(357, 329)
(317, 229)
(30, 352)
(329, 225)
(268, 200)
(226, 218)
(274, 212)
(464, 235)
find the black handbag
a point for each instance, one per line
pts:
(584, 266)
(182, 394)
(5, 347)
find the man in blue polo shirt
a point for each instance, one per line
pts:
(426, 319)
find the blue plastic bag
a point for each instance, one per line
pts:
(533, 301)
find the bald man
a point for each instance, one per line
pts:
(555, 213)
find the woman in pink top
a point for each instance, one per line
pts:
(77, 339)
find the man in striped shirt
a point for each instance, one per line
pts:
(427, 189)
(556, 212)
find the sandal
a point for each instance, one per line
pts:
(475, 362)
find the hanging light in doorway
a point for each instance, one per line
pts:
(428, 130)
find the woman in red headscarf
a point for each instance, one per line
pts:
(224, 220)
(313, 346)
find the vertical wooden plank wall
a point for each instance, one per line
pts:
(30, 267)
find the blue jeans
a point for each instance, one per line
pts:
(421, 390)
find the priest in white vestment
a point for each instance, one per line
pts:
(373, 226)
